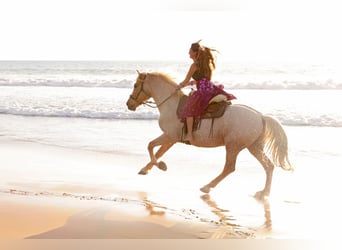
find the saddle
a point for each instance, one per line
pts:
(216, 108)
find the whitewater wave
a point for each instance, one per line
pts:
(70, 113)
(295, 95)
(96, 83)
(293, 119)
(111, 74)
(128, 83)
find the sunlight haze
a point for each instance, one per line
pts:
(163, 30)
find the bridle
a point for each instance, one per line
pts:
(150, 104)
(141, 90)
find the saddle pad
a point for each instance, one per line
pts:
(214, 109)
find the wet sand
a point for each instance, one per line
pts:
(45, 216)
(48, 209)
(56, 192)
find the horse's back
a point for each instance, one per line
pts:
(239, 126)
(242, 123)
(243, 112)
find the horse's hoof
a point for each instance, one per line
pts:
(260, 196)
(162, 166)
(143, 172)
(205, 197)
(205, 189)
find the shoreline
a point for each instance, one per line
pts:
(30, 215)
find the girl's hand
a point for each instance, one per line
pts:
(181, 85)
(193, 82)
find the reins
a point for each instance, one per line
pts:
(151, 103)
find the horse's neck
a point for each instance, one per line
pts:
(165, 97)
(168, 101)
(168, 113)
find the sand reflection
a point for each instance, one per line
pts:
(151, 207)
(268, 219)
(224, 218)
(228, 222)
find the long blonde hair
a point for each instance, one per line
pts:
(205, 59)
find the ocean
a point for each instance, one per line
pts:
(81, 105)
(303, 95)
(97, 91)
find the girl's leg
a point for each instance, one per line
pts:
(189, 124)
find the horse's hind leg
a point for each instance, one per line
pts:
(257, 151)
(229, 167)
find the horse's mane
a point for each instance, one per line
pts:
(167, 78)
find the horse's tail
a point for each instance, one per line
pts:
(275, 143)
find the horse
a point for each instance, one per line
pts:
(240, 127)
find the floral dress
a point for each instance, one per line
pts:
(199, 100)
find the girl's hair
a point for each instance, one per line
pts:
(205, 59)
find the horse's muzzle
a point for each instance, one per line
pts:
(130, 106)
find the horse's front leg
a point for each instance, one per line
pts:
(166, 143)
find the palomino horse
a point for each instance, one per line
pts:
(240, 127)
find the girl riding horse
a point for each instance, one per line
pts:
(201, 71)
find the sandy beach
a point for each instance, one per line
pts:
(42, 216)
(71, 210)
(57, 192)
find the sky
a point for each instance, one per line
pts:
(242, 30)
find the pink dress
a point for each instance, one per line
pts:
(199, 100)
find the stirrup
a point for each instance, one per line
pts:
(186, 142)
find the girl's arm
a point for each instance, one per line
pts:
(187, 79)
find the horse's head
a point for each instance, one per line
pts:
(140, 93)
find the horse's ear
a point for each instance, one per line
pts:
(138, 72)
